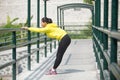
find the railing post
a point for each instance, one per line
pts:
(93, 23)
(29, 35)
(99, 34)
(96, 23)
(99, 19)
(114, 27)
(50, 45)
(14, 55)
(54, 44)
(97, 16)
(93, 20)
(45, 42)
(38, 25)
(105, 36)
(45, 15)
(60, 18)
(63, 19)
(57, 16)
(45, 8)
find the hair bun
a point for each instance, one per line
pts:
(47, 20)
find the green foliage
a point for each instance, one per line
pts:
(26, 23)
(83, 34)
(88, 1)
(9, 21)
(9, 24)
(87, 32)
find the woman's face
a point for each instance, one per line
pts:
(43, 24)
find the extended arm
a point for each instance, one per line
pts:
(33, 29)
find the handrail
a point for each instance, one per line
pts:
(113, 67)
(3, 30)
(25, 42)
(105, 53)
(105, 40)
(112, 34)
(14, 45)
(74, 25)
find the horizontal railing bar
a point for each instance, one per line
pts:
(6, 37)
(96, 51)
(18, 45)
(106, 75)
(25, 56)
(31, 49)
(115, 69)
(12, 62)
(77, 30)
(115, 35)
(7, 64)
(7, 42)
(98, 58)
(7, 47)
(107, 57)
(74, 25)
(23, 44)
(3, 30)
(112, 34)
(25, 38)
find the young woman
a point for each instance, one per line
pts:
(53, 31)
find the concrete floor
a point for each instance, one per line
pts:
(78, 64)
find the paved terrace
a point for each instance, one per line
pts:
(78, 64)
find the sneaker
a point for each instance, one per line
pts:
(50, 72)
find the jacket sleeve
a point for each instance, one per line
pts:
(42, 30)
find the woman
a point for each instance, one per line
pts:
(53, 31)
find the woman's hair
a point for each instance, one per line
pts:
(47, 20)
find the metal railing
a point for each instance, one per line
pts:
(19, 38)
(16, 44)
(105, 41)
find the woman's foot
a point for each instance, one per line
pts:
(52, 72)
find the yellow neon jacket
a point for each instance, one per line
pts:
(52, 31)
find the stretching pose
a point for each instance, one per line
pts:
(53, 31)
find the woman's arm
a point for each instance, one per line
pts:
(42, 30)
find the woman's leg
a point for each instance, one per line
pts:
(64, 43)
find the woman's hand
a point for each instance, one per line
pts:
(24, 28)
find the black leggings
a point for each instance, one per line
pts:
(64, 43)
